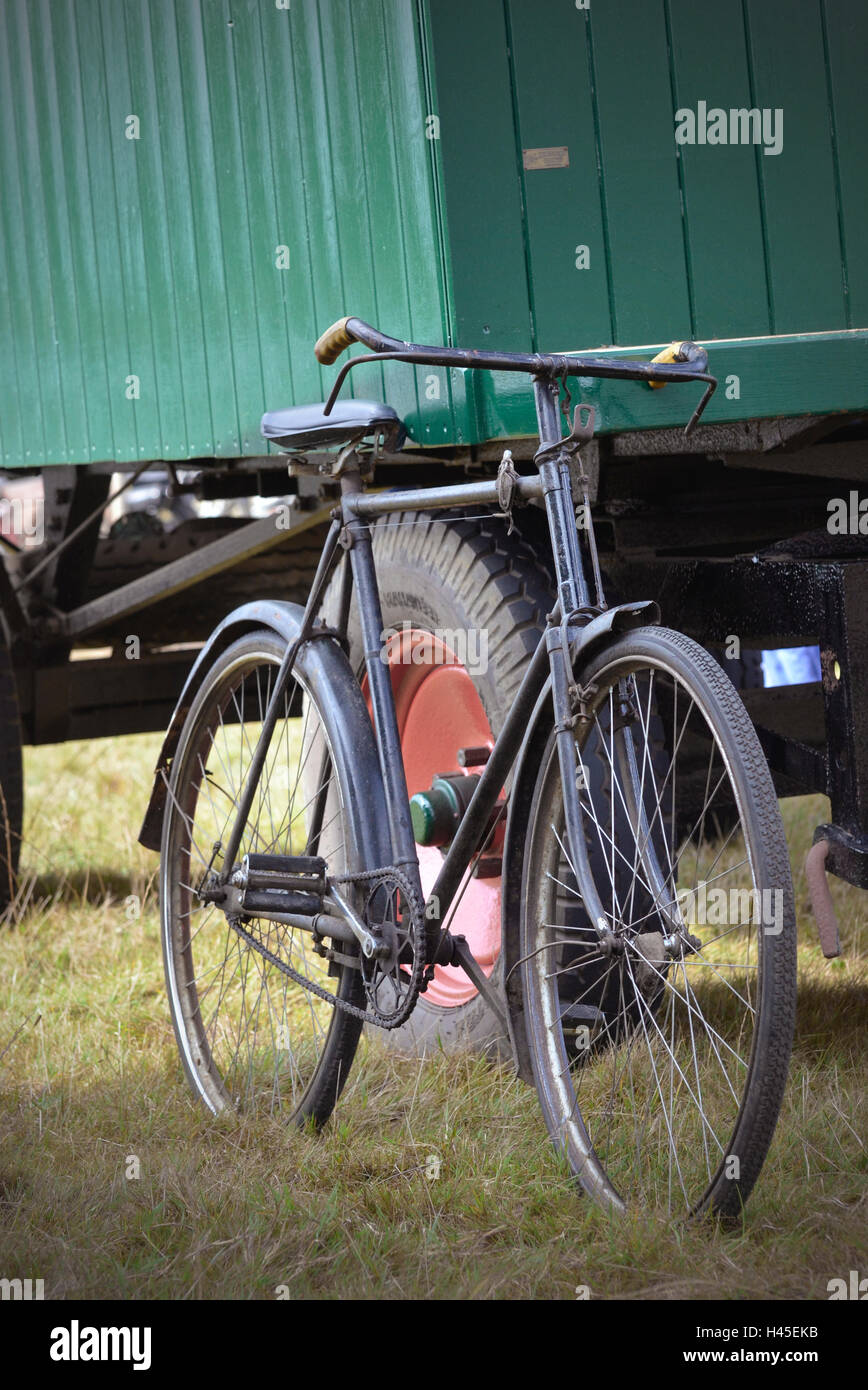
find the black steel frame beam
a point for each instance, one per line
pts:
(191, 569)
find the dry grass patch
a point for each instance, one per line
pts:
(234, 1207)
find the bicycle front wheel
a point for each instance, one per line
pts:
(661, 1059)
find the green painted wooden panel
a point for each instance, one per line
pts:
(639, 173)
(563, 206)
(846, 33)
(718, 241)
(722, 214)
(713, 239)
(482, 186)
(157, 257)
(799, 193)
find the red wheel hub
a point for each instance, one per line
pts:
(439, 712)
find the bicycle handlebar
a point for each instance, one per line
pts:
(680, 361)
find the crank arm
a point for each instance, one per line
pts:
(372, 946)
(301, 910)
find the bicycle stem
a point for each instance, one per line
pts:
(554, 472)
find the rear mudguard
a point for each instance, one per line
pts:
(598, 634)
(326, 672)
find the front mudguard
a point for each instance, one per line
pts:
(602, 632)
(325, 670)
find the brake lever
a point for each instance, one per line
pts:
(709, 392)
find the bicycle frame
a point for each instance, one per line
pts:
(357, 508)
(555, 653)
(553, 486)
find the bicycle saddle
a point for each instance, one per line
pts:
(304, 426)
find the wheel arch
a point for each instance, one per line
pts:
(525, 775)
(327, 671)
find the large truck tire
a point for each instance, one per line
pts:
(467, 604)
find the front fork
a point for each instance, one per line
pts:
(574, 612)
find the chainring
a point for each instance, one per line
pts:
(392, 983)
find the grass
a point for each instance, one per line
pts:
(91, 1092)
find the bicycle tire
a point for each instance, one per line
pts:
(574, 1098)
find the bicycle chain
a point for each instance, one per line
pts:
(387, 1021)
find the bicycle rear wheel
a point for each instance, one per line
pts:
(661, 1066)
(250, 1036)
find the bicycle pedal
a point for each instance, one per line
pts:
(582, 1020)
(301, 873)
(583, 1013)
(266, 902)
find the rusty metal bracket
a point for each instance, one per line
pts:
(821, 899)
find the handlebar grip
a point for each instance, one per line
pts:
(678, 352)
(331, 344)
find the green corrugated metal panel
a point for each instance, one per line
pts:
(715, 242)
(260, 127)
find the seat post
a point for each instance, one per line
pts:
(361, 553)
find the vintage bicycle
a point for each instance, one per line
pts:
(650, 929)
